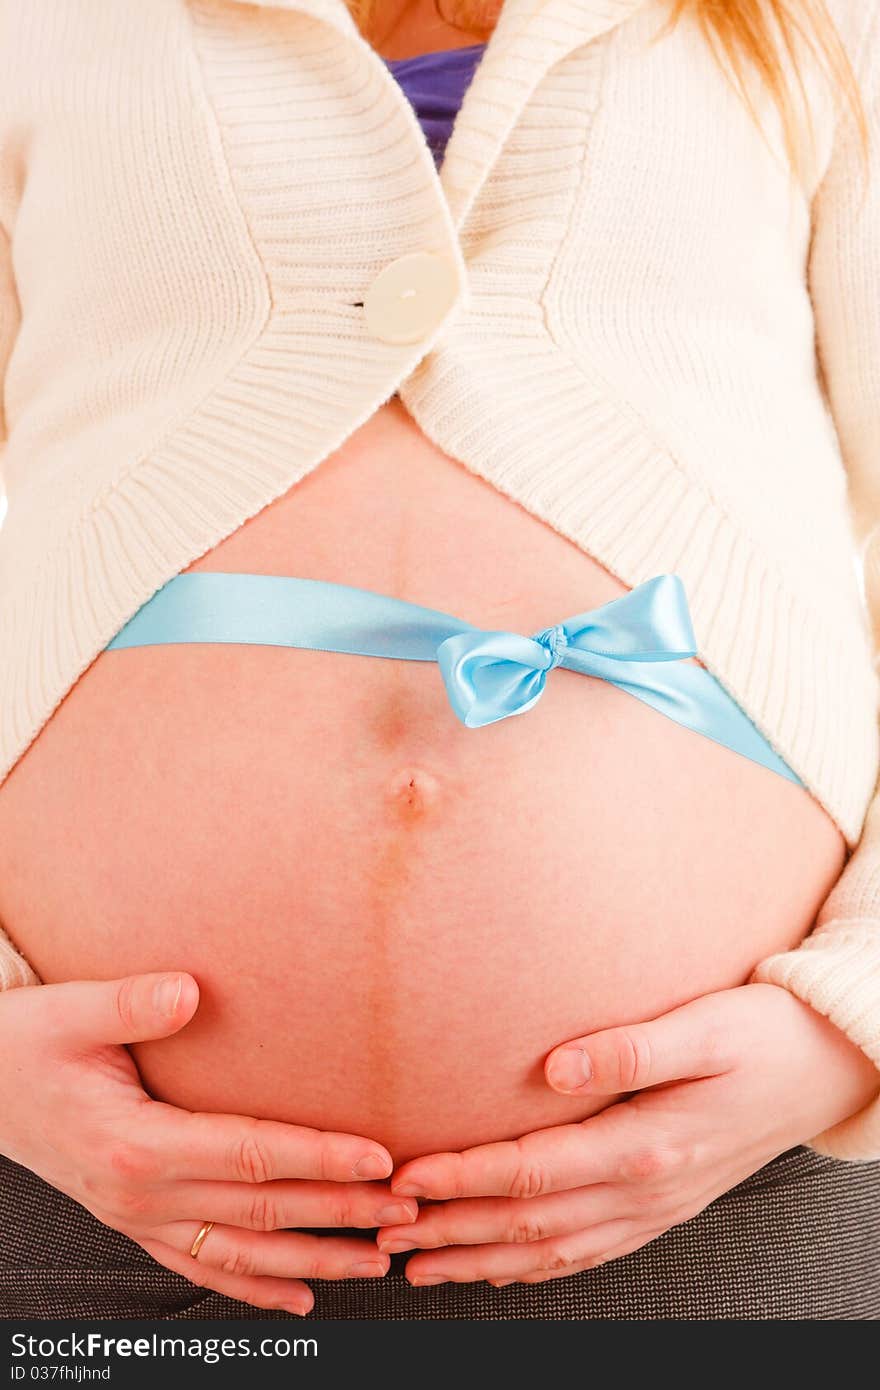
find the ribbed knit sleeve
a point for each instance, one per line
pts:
(837, 968)
(14, 969)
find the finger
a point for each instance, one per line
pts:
(616, 1252)
(196, 1145)
(278, 1254)
(691, 1041)
(550, 1160)
(274, 1206)
(290, 1294)
(135, 1008)
(490, 1220)
(559, 1256)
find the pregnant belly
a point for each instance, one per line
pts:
(393, 918)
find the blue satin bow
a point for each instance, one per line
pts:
(492, 675)
(635, 642)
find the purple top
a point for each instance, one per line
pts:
(435, 84)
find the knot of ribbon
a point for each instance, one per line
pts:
(555, 639)
(493, 675)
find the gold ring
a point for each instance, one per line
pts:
(200, 1239)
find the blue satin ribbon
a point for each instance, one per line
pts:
(634, 642)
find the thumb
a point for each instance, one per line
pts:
(92, 1013)
(687, 1043)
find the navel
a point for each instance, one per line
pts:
(413, 794)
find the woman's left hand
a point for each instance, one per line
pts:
(722, 1085)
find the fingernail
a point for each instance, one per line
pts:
(167, 994)
(372, 1166)
(394, 1247)
(570, 1069)
(501, 1283)
(397, 1215)
(366, 1269)
(408, 1189)
(299, 1308)
(423, 1280)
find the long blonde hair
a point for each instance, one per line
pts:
(753, 35)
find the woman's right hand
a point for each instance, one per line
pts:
(74, 1111)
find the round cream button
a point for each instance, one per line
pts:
(410, 297)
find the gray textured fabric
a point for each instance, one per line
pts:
(799, 1239)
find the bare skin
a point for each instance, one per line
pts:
(402, 28)
(391, 919)
(385, 911)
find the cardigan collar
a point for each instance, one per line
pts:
(528, 38)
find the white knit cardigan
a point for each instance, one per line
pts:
(660, 344)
